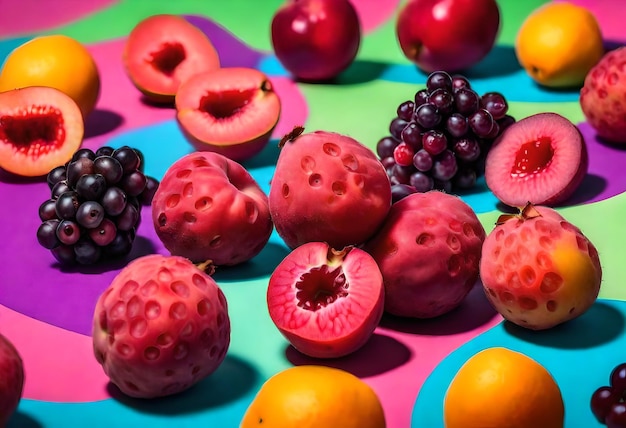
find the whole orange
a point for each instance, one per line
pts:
(314, 397)
(55, 61)
(498, 387)
(558, 44)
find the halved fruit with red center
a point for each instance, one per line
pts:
(40, 128)
(163, 51)
(540, 159)
(231, 111)
(326, 302)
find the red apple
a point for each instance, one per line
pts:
(11, 379)
(316, 39)
(450, 35)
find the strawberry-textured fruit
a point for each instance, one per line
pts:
(326, 302)
(327, 187)
(11, 379)
(208, 207)
(160, 327)
(539, 270)
(428, 250)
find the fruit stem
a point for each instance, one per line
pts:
(292, 135)
(207, 267)
(335, 257)
(529, 211)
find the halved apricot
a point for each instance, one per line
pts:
(163, 51)
(40, 128)
(231, 111)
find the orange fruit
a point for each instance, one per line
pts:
(314, 397)
(54, 61)
(558, 44)
(498, 387)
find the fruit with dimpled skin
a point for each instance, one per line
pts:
(231, 111)
(208, 207)
(40, 128)
(162, 52)
(447, 35)
(602, 97)
(540, 159)
(539, 270)
(428, 250)
(327, 187)
(160, 327)
(316, 39)
(326, 302)
(11, 379)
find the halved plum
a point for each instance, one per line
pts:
(162, 51)
(231, 111)
(40, 128)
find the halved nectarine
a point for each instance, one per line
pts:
(231, 111)
(40, 128)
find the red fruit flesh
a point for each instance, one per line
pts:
(231, 111)
(327, 303)
(160, 327)
(540, 159)
(11, 379)
(163, 51)
(428, 251)
(40, 128)
(208, 207)
(327, 187)
(602, 96)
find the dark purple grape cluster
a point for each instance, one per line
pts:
(95, 205)
(608, 403)
(440, 139)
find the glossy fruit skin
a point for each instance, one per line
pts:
(428, 250)
(12, 380)
(316, 40)
(160, 327)
(335, 329)
(447, 35)
(312, 396)
(539, 270)
(39, 107)
(208, 207)
(328, 187)
(602, 97)
(499, 387)
(558, 43)
(56, 61)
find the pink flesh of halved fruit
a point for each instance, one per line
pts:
(163, 51)
(540, 159)
(231, 111)
(327, 303)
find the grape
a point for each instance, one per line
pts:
(55, 175)
(442, 99)
(618, 377)
(109, 168)
(105, 151)
(467, 149)
(401, 174)
(77, 168)
(388, 162)
(460, 82)
(104, 234)
(403, 154)
(385, 146)
(401, 191)
(434, 142)
(47, 210)
(148, 193)
(128, 158)
(616, 418)
(495, 103)
(66, 205)
(91, 186)
(445, 186)
(87, 252)
(395, 128)
(494, 133)
(466, 101)
(59, 188)
(405, 110)
(421, 97)
(422, 160)
(83, 153)
(68, 232)
(134, 183)
(602, 400)
(444, 166)
(438, 79)
(412, 135)
(505, 122)
(465, 178)
(90, 214)
(64, 254)
(46, 234)
(128, 218)
(427, 116)
(113, 201)
(421, 182)
(121, 244)
(141, 162)
(457, 125)
(481, 122)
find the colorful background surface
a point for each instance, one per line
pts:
(46, 311)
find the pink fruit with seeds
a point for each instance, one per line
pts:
(160, 327)
(11, 379)
(540, 159)
(326, 302)
(209, 207)
(602, 96)
(428, 251)
(538, 269)
(327, 187)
